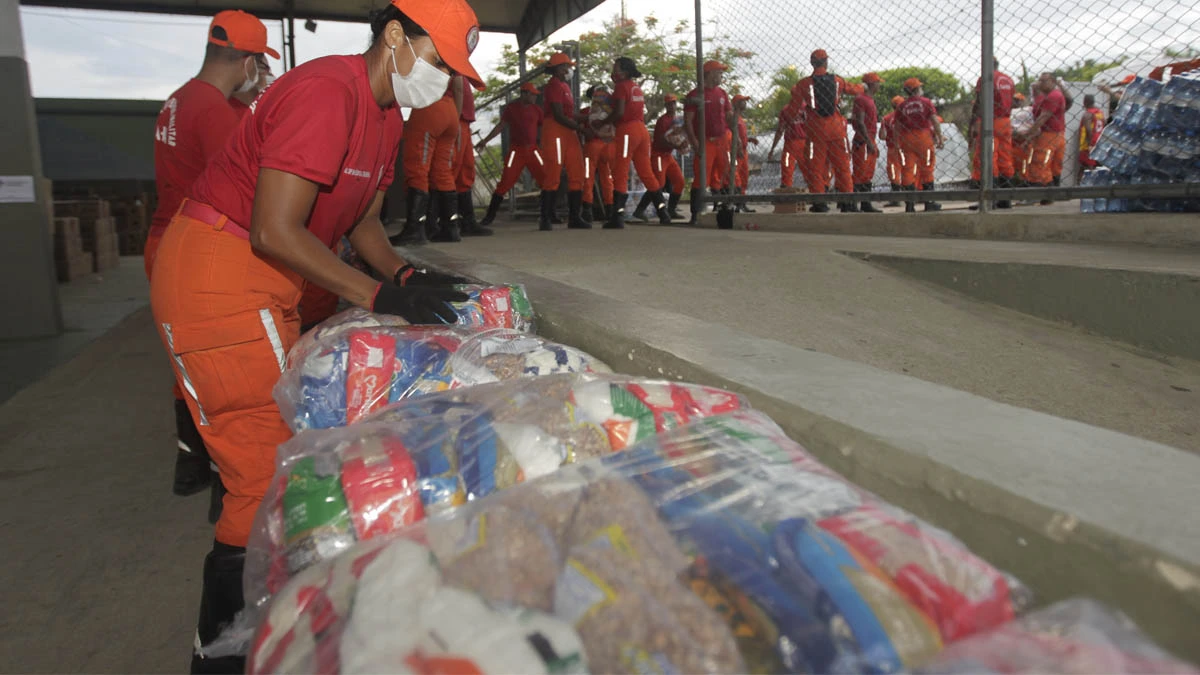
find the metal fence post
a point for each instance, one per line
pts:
(702, 137)
(987, 98)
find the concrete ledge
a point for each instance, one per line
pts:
(1068, 508)
(1160, 312)
(1153, 229)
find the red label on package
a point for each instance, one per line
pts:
(379, 479)
(369, 371)
(497, 307)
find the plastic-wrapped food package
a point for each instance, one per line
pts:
(350, 372)
(338, 486)
(703, 550)
(1074, 637)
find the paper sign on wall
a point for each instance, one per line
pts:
(16, 190)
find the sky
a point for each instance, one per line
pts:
(86, 54)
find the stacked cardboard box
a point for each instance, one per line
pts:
(133, 222)
(788, 207)
(101, 240)
(70, 259)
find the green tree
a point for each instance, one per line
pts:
(940, 87)
(764, 116)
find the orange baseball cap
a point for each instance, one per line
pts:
(897, 100)
(558, 59)
(529, 87)
(714, 65)
(740, 97)
(912, 83)
(819, 55)
(1018, 96)
(452, 26)
(670, 98)
(242, 31)
(856, 89)
(870, 78)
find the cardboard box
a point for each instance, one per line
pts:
(77, 265)
(788, 207)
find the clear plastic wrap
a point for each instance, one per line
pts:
(1073, 637)
(422, 456)
(350, 369)
(719, 546)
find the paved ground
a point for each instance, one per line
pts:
(797, 289)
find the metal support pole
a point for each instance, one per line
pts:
(702, 137)
(987, 98)
(512, 202)
(283, 33)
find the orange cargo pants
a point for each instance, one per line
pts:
(895, 163)
(795, 153)
(520, 157)
(464, 159)
(741, 175)
(632, 144)
(716, 163)
(148, 256)
(597, 166)
(430, 142)
(918, 155)
(1002, 151)
(667, 171)
(227, 318)
(864, 164)
(828, 150)
(1046, 157)
(561, 150)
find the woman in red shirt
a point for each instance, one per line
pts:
(631, 144)
(309, 164)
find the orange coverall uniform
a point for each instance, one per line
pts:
(1047, 148)
(429, 147)
(895, 155)
(863, 160)
(662, 156)
(715, 135)
(523, 122)
(632, 142)
(561, 148)
(828, 144)
(795, 146)
(464, 155)
(227, 314)
(741, 175)
(1002, 140)
(597, 166)
(914, 128)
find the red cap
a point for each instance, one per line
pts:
(558, 59)
(242, 31)
(856, 89)
(1128, 78)
(912, 83)
(1018, 96)
(710, 66)
(897, 100)
(872, 78)
(528, 86)
(670, 98)
(819, 55)
(740, 97)
(452, 26)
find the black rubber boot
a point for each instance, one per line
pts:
(910, 204)
(192, 471)
(431, 215)
(413, 233)
(220, 600)
(694, 206)
(895, 189)
(448, 226)
(867, 206)
(558, 197)
(743, 206)
(493, 209)
(819, 207)
(660, 207)
(617, 220)
(930, 205)
(575, 220)
(673, 206)
(466, 217)
(1004, 182)
(546, 202)
(848, 206)
(586, 213)
(639, 213)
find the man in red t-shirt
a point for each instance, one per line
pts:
(192, 126)
(864, 151)
(791, 129)
(1048, 135)
(718, 118)
(523, 119)
(825, 126)
(668, 137)
(919, 131)
(1002, 133)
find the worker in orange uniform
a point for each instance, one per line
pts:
(597, 153)
(631, 143)
(310, 164)
(1022, 122)
(464, 164)
(523, 119)
(192, 126)
(1003, 89)
(920, 135)
(828, 146)
(741, 174)
(561, 147)
(895, 155)
(864, 150)
(430, 145)
(1090, 128)
(718, 118)
(791, 129)
(1047, 136)
(667, 138)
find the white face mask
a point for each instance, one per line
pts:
(251, 80)
(423, 85)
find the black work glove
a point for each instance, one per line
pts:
(417, 304)
(411, 276)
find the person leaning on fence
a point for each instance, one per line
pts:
(1047, 136)
(561, 148)
(825, 126)
(718, 117)
(523, 119)
(1003, 169)
(667, 138)
(1089, 131)
(895, 154)
(741, 176)
(920, 136)
(598, 154)
(865, 151)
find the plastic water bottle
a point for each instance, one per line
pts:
(1087, 204)
(1101, 176)
(1187, 100)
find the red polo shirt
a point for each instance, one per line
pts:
(916, 113)
(523, 121)
(864, 106)
(557, 91)
(635, 102)
(1055, 104)
(1002, 94)
(716, 106)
